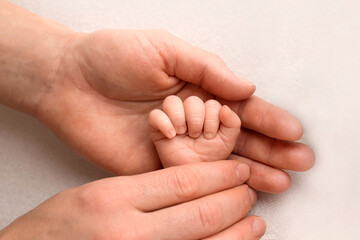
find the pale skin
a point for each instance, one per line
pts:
(73, 82)
(185, 202)
(95, 92)
(193, 131)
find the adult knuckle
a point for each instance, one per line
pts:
(93, 193)
(89, 198)
(243, 200)
(210, 215)
(186, 183)
(226, 176)
(263, 117)
(241, 235)
(95, 197)
(88, 192)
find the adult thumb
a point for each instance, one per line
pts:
(202, 68)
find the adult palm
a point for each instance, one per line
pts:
(107, 82)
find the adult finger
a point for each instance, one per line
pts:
(174, 108)
(263, 177)
(200, 67)
(249, 228)
(174, 185)
(277, 153)
(263, 117)
(204, 216)
(195, 115)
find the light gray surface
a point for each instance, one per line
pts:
(303, 55)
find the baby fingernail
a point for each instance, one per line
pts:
(195, 135)
(208, 135)
(181, 130)
(172, 133)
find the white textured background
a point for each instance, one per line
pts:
(303, 55)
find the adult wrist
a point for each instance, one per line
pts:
(16, 230)
(31, 50)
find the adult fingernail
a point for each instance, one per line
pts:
(242, 172)
(247, 82)
(258, 227)
(253, 196)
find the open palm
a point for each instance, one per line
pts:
(109, 81)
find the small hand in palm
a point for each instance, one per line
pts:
(112, 79)
(107, 82)
(193, 131)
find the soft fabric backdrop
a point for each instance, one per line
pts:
(303, 55)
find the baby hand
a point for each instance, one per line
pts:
(193, 131)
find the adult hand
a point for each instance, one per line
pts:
(109, 81)
(95, 92)
(195, 201)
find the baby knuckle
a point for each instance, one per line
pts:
(196, 121)
(211, 122)
(171, 99)
(193, 99)
(212, 103)
(177, 117)
(186, 183)
(153, 114)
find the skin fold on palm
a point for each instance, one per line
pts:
(108, 82)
